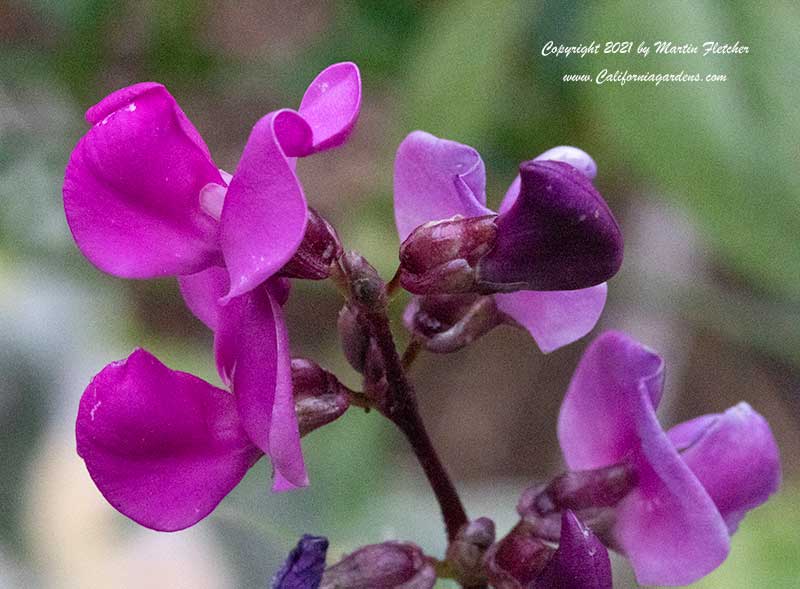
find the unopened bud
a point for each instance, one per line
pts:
(354, 337)
(318, 251)
(446, 323)
(388, 565)
(367, 289)
(517, 559)
(578, 490)
(466, 552)
(319, 398)
(441, 256)
(558, 235)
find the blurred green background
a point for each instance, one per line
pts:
(703, 177)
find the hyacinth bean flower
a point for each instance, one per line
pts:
(554, 234)
(143, 199)
(695, 482)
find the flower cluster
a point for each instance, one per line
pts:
(144, 199)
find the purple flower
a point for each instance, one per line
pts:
(304, 566)
(144, 199)
(694, 482)
(553, 231)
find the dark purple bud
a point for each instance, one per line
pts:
(304, 566)
(441, 256)
(387, 565)
(558, 235)
(319, 398)
(517, 559)
(446, 323)
(354, 337)
(317, 253)
(367, 289)
(466, 552)
(584, 489)
(581, 561)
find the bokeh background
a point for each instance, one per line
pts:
(703, 177)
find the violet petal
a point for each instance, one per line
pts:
(331, 104)
(558, 235)
(580, 562)
(202, 292)
(304, 566)
(132, 185)
(162, 446)
(264, 216)
(736, 459)
(555, 318)
(436, 179)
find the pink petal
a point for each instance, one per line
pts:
(435, 179)
(264, 215)
(577, 158)
(132, 185)
(735, 457)
(555, 318)
(595, 426)
(331, 104)
(162, 446)
(202, 292)
(253, 354)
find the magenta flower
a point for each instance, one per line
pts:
(559, 236)
(144, 199)
(695, 482)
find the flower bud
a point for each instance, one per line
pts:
(318, 251)
(303, 568)
(354, 337)
(319, 398)
(367, 289)
(603, 487)
(466, 552)
(387, 565)
(558, 235)
(517, 559)
(441, 256)
(446, 323)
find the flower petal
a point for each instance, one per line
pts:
(577, 158)
(132, 185)
(202, 292)
(163, 446)
(580, 562)
(304, 566)
(331, 104)
(264, 215)
(555, 318)
(736, 459)
(253, 354)
(435, 179)
(595, 426)
(558, 235)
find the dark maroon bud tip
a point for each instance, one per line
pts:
(386, 565)
(319, 398)
(517, 559)
(367, 289)
(318, 251)
(466, 552)
(584, 489)
(440, 257)
(304, 566)
(447, 323)
(581, 561)
(558, 235)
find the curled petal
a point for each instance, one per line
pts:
(132, 185)
(436, 179)
(558, 235)
(331, 104)
(202, 292)
(581, 561)
(555, 318)
(264, 216)
(735, 457)
(252, 349)
(163, 446)
(668, 525)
